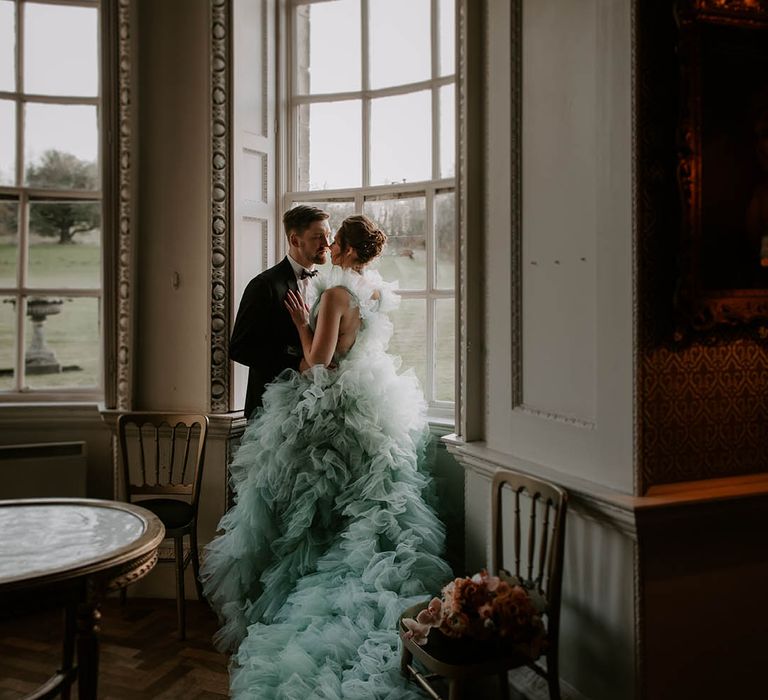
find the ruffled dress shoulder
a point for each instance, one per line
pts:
(331, 536)
(370, 294)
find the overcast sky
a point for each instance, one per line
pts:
(60, 58)
(401, 126)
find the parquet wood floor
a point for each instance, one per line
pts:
(141, 657)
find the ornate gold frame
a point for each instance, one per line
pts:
(702, 305)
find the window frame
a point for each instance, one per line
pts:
(24, 196)
(440, 411)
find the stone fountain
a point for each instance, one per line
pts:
(39, 358)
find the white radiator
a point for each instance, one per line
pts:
(43, 470)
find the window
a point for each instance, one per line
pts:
(372, 131)
(50, 199)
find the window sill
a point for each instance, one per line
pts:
(440, 426)
(26, 398)
(53, 413)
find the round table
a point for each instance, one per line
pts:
(71, 552)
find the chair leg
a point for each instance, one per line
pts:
(178, 553)
(196, 563)
(456, 689)
(406, 659)
(554, 687)
(553, 678)
(504, 685)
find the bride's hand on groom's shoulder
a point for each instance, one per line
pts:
(297, 308)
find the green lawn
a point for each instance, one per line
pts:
(54, 265)
(410, 342)
(72, 334)
(410, 320)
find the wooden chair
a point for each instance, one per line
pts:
(536, 547)
(163, 456)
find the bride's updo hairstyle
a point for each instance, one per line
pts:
(363, 236)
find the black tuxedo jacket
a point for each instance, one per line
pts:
(264, 337)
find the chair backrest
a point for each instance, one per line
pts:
(537, 526)
(162, 453)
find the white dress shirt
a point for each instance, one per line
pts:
(302, 284)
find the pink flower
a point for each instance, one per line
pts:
(416, 631)
(483, 607)
(485, 611)
(431, 614)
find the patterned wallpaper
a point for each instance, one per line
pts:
(704, 412)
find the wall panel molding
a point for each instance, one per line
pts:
(636, 77)
(471, 73)
(461, 207)
(593, 501)
(264, 70)
(516, 202)
(260, 167)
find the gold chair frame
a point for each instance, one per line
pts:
(182, 486)
(539, 567)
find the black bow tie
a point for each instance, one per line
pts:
(307, 273)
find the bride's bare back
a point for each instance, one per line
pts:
(349, 323)
(338, 323)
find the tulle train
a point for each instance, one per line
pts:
(331, 537)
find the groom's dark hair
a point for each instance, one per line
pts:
(300, 218)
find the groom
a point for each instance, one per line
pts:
(264, 338)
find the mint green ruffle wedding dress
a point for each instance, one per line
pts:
(330, 537)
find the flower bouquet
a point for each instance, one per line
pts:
(484, 608)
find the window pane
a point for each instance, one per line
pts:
(7, 46)
(328, 47)
(61, 146)
(339, 209)
(447, 10)
(9, 238)
(403, 219)
(7, 142)
(400, 42)
(445, 237)
(447, 131)
(409, 340)
(64, 244)
(330, 145)
(63, 343)
(60, 50)
(7, 343)
(445, 336)
(401, 138)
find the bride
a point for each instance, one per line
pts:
(330, 537)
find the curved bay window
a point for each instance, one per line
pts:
(372, 130)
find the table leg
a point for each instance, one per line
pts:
(68, 647)
(88, 617)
